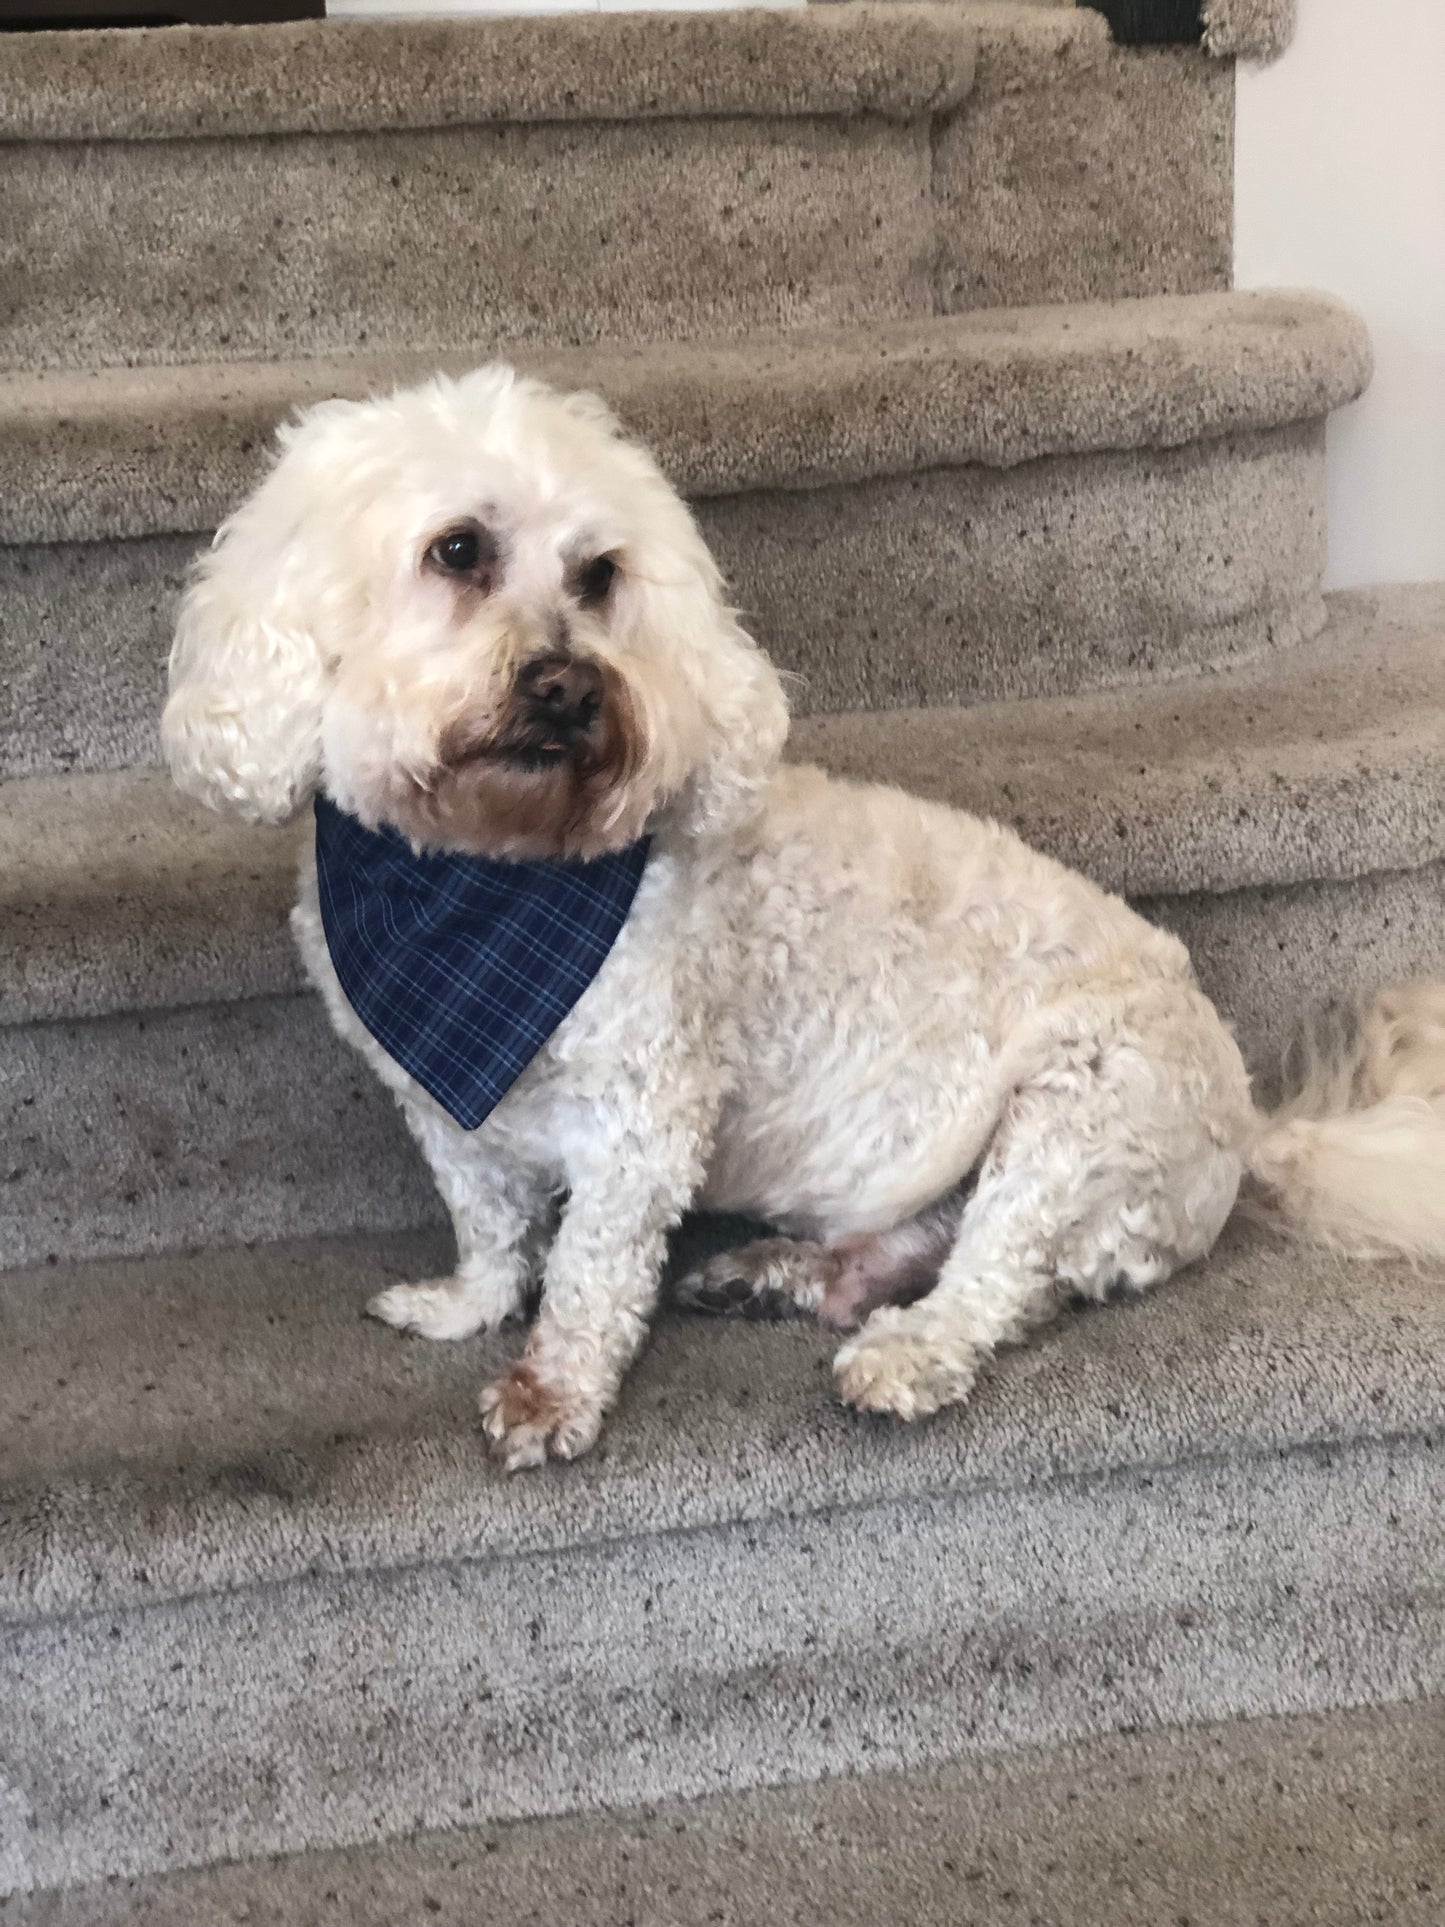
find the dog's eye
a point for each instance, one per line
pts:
(595, 579)
(458, 550)
(465, 550)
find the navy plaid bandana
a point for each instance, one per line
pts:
(462, 967)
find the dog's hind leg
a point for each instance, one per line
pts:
(1116, 1164)
(839, 1283)
(769, 1278)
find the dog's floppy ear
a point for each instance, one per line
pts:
(714, 707)
(242, 727)
(747, 713)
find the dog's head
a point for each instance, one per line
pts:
(476, 612)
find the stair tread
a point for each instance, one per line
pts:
(136, 451)
(1321, 762)
(340, 75)
(1294, 1819)
(204, 1422)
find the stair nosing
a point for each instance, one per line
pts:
(815, 409)
(803, 1837)
(314, 77)
(20, 1612)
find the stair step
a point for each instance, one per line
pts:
(175, 1085)
(126, 452)
(1319, 764)
(633, 191)
(1223, 1499)
(1297, 1821)
(570, 178)
(926, 511)
(321, 77)
(1077, 170)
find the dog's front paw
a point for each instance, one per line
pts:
(443, 1307)
(897, 1365)
(527, 1416)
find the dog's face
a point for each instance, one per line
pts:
(475, 612)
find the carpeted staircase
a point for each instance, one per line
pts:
(928, 309)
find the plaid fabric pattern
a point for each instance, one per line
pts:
(461, 967)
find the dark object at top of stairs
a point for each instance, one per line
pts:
(1139, 23)
(51, 16)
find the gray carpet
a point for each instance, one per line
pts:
(371, 76)
(1321, 763)
(924, 512)
(950, 585)
(848, 185)
(924, 306)
(1298, 1822)
(1282, 818)
(232, 1418)
(1056, 108)
(836, 212)
(1248, 29)
(1316, 763)
(211, 1123)
(285, 1602)
(93, 454)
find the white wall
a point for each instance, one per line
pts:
(1340, 184)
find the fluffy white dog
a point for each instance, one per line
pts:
(963, 1081)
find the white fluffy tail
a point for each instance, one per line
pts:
(1356, 1158)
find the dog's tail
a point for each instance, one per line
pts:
(1355, 1158)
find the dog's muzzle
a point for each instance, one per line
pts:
(560, 698)
(551, 776)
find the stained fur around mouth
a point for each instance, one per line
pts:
(533, 757)
(502, 791)
(539, 749)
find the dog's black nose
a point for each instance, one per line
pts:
(565, 691)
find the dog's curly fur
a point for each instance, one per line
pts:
(962, 1080)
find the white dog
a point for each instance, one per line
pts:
(962, 1080)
